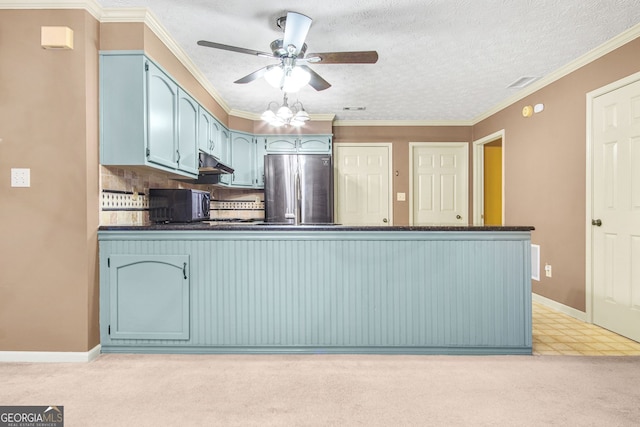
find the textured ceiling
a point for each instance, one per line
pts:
(439, 60)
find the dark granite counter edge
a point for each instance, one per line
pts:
(261, 227)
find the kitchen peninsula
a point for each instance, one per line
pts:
(258, 288)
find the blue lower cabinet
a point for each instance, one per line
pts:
(148, 297)
(301, 291)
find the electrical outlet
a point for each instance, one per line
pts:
(547, 270)
(20, 177)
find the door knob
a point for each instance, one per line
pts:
(596, 222)
(384, 220)
(458, 217)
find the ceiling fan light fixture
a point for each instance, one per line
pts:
(285, 115)
(268, 116)
(295, 79)
(284, 112)
(302, 116)
(273, 76)
(287, 79)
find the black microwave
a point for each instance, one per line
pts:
(178, 205)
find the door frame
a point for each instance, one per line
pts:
(589, 185)
(478, 175)
(389, 147)
(412, 145)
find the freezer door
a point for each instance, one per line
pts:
(279, 188)
(316, 188)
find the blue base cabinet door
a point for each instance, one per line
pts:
(149, 297)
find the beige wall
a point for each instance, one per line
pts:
(400, 137)
(545, 169)
(49, 123)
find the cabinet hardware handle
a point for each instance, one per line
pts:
(596, 222)
(458, 217)
(385, 220)
(184, 270)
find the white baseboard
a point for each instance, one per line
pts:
(50, 356)
(580, 315)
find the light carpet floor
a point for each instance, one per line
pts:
(332, 390)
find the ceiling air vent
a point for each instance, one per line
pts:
(523, 82)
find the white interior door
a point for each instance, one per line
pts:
(439, 185)
(615, 253)
(362, 184)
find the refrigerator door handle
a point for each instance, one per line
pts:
(298, 198)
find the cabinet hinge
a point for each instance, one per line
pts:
(146, 66)
(148, 152)
(108, 262)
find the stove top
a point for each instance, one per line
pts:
(235, 221)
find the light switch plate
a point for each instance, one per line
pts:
(401, 197)
(20, 177)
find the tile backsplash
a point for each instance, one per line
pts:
(125, 197)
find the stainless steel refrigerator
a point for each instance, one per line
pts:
(298, 189)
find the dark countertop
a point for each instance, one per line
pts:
(216, 226)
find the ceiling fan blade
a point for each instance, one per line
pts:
(234, 49)
(361, 57)
(295, 30)
(316, 82)
(255, 75)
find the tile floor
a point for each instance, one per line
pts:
(557, 333)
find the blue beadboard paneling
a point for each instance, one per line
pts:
(360, 292)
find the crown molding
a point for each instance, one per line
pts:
(403, 123)
(605, 48)
(91, 6)
(254, 116)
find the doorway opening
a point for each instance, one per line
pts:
(488, 179)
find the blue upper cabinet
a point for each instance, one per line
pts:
(260, 153)
(225, 153)
(310, 144)
(187, 133)
(217, 148)
(314, 144)
(205, 120)
(146, 119)
(243, 159)
(210, 135)
(162, 95)
(281, 144)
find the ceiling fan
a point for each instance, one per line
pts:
(292, 73)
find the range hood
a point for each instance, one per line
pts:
(211, 165)
(210, 168)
